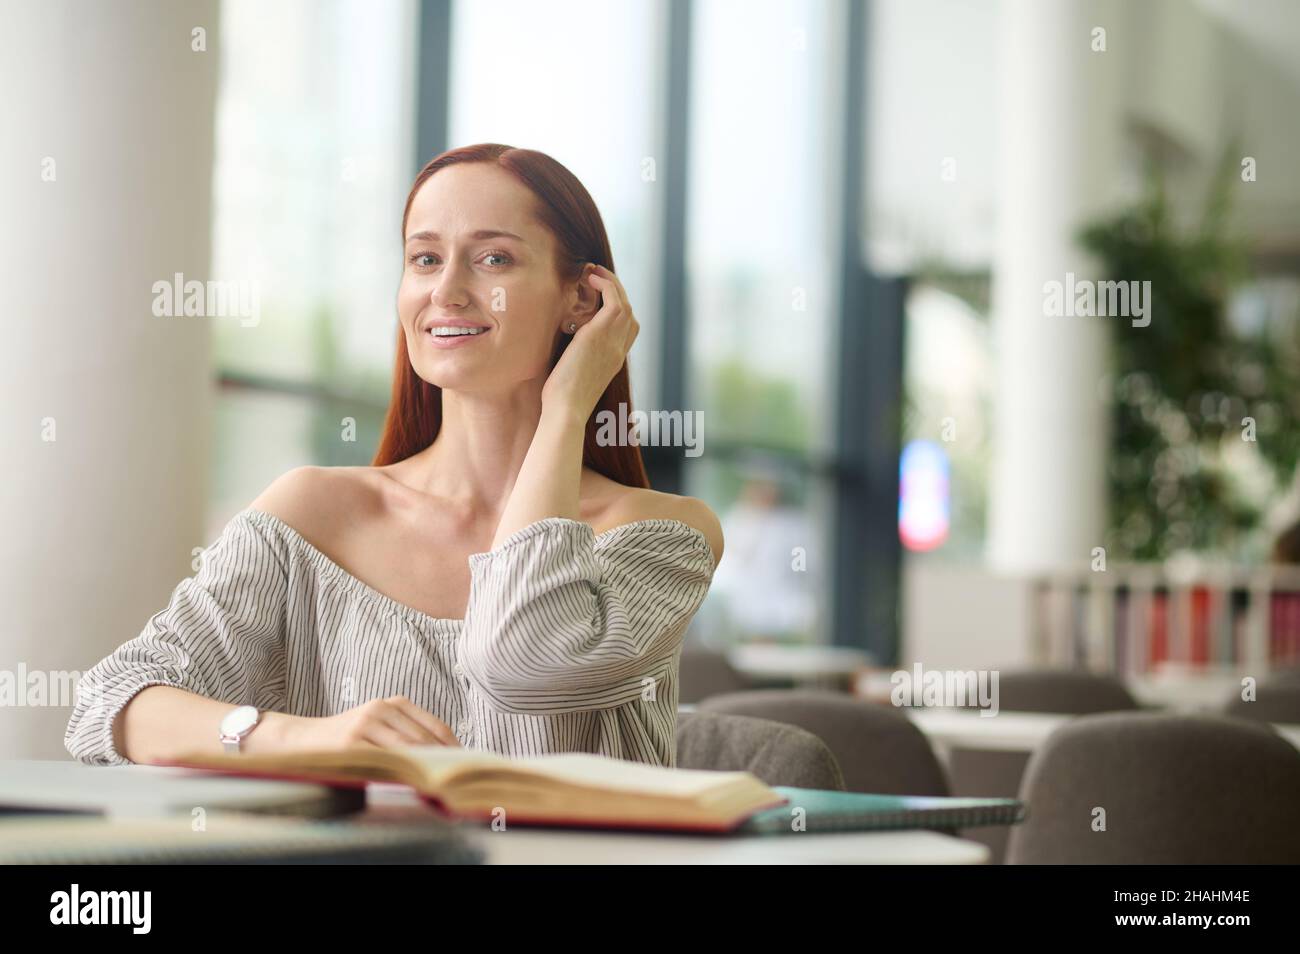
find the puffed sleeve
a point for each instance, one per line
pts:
(221, 636)
(561, 621)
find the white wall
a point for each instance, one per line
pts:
(963, 616)
(100, 522)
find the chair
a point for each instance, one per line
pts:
(1176, 789)
(1277, 699)
(1287, 673)
(878, 748)
(992, 773)
(776, 754)
(1077, 692)
(704, 673)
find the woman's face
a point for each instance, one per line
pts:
(457, 274)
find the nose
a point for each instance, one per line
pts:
(449, 288)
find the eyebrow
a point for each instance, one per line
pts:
(476, 236)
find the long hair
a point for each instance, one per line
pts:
(566, 208)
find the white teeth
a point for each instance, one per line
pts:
(452, 332)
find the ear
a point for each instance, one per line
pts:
(586, 301)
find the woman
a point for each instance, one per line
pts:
(496, 579)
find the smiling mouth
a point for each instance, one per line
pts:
(455, 334)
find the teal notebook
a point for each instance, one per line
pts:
(811, 809)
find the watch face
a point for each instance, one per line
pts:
(239, 721)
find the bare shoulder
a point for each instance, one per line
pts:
(641, 504)
(698, 514)
(313, 499)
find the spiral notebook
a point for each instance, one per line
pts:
(817, 810)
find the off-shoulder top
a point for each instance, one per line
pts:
(571, 640)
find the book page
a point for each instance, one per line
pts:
(581, 768)
(437, 760)
(599, 771)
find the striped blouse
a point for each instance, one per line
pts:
(571, 640)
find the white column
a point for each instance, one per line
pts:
(105, 183)
(1059, 114)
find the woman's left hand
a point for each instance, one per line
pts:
(597, 351)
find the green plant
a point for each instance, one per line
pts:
(1185, 385)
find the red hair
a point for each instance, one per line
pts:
(566, 208)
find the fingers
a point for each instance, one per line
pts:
(611, 306)
(611, 288)
(435, 727)
(409, 730)
(385, 736)
(615, 304)
(398, 721)
(412, 731)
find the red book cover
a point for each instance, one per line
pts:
(1200, 648)
(1292, 629)
(1276, 626)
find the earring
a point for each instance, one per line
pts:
(573, 326)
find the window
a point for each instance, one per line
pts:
(317, 115)
(577, 81)
(761, 271)
(948, 375)
(314, 126)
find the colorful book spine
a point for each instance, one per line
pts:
(1159, 628)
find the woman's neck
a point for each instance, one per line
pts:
(475, 459)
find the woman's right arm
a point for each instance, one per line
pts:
(220, 639)
(218, 644)
(161, 723)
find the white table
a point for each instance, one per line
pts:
(806, 666)
(535, 846)
(552, 846)
(1186, 691)
(1007, 731)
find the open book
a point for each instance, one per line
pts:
(571, 790)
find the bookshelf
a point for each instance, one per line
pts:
(1177, 633)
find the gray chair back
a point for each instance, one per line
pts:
(992, 773)
(776, 754)
(1077, 692)
(1176, 790)
(1277, 699)
(877, 747)
(706, 672)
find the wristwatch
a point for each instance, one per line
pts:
(236, 726)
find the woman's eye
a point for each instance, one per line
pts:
(420, 260)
